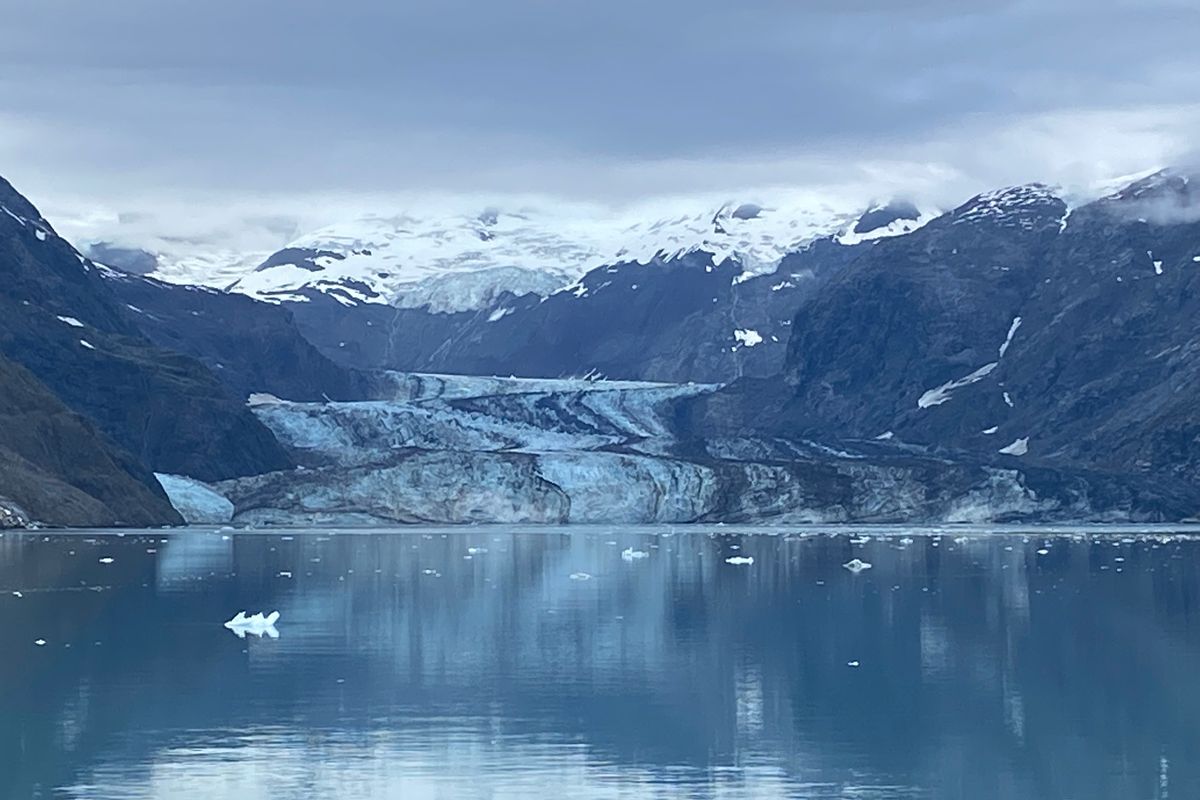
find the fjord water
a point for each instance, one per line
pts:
(499, 663)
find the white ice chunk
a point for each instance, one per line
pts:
(74, 323)
(740, 560)
(885, 436)
(257, 625)
(580, 576)
(87, 344)
(991, 430)
(629, 554)
(856, 565)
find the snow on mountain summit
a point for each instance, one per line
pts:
(455, 257)
(458, 262)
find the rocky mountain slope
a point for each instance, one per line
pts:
(56, 468)
(1012, 326)
(60, 321)
(248, 345)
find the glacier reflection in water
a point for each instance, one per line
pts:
(498, 663)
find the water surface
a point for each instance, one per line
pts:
(500, 663)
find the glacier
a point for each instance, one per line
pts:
(445, 449)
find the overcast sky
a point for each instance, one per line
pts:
(176, 110)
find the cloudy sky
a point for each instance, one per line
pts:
(235, 117)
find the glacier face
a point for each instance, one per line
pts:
(448, 449)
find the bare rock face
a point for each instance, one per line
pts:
(57, 469)
(61, 322)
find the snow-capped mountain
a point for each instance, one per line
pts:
(466, 261)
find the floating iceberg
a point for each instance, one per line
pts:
(256, 625)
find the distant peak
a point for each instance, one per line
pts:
(882, 215)
(1171, 180)
(1028, 206)
(132, 260)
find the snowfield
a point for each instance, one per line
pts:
(457, 261)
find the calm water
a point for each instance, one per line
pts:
(507, 664)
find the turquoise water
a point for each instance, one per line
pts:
(494, 663)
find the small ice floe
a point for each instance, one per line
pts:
(431, 572)
(885, 436)
(17, 594)
(256, 625)
(738, 561)
(87, 344)
(107, 560)
(40, 642)
(284, 574)
(853, 664)
(74, 323)
(629, 554)
(1043, 552)
(857, 565)
(991, 430)
(474, 551)
(580, 576)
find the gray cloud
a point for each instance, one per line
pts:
(132, 101)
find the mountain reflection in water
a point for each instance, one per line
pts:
(500, 663)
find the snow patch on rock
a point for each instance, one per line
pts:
(942, 394)
(748, 337)
(1019, 447)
